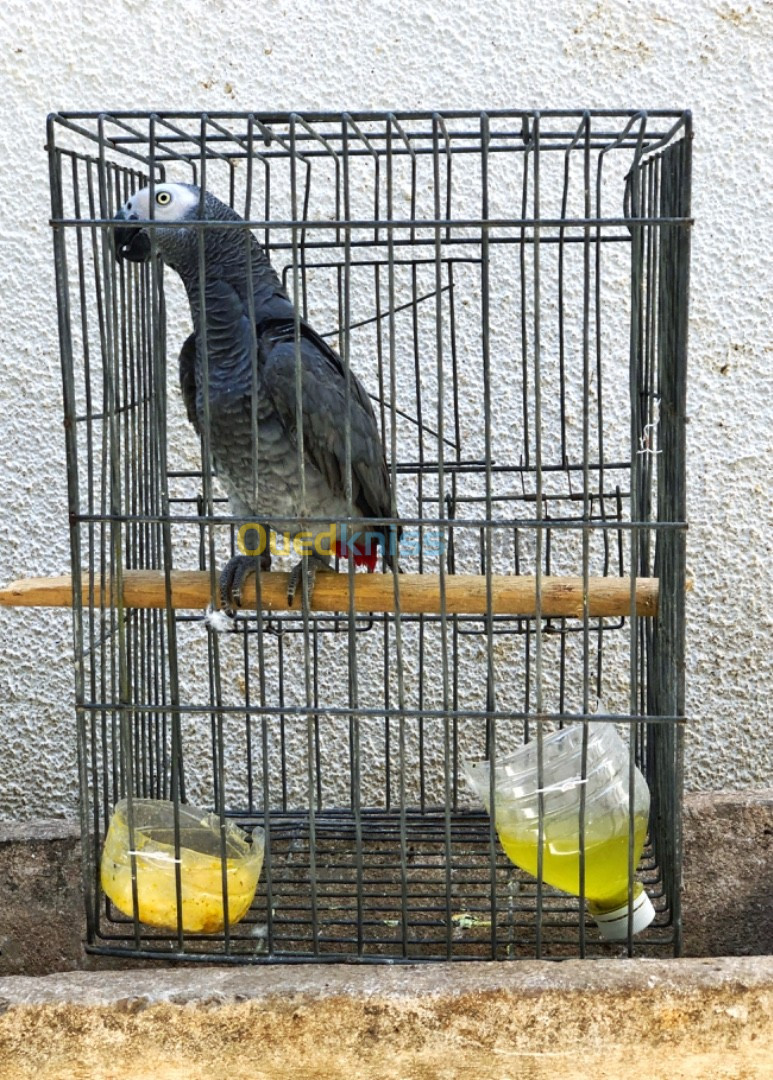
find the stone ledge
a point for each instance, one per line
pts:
(688, 1019)
(727, 874)
(211, 986)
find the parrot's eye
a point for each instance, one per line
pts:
(163, 198)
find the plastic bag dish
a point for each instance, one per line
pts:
(201, 866)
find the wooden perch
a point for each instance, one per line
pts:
(419, 593)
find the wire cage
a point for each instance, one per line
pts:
(511, 288)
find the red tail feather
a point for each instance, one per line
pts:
(362, 557)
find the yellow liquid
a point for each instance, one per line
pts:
(201, 894)
(606, 859)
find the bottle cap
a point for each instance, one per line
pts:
(613, 925)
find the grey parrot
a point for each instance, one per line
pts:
(230, 345)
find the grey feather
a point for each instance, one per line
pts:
(187, 367)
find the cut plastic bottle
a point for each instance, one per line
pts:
(606, 832)
(202, 866)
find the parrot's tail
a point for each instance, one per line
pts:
(367, 549)
(361, 557)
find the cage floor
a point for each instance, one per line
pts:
(353, 903)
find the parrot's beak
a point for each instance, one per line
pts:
(131, 242)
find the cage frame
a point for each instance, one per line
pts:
(669, 222)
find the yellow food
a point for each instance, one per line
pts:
(201, 868)
(606, 857)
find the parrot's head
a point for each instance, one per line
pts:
(172, 203)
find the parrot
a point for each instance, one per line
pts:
(231, 343)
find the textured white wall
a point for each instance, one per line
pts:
(210, 54)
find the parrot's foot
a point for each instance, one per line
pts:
(235, 573)
(315, 563)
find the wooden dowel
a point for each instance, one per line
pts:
(419, 593)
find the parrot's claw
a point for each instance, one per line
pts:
(315, 564)
(235, 573)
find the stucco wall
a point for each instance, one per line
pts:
(207, 55)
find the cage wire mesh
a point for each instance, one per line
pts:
(511, 289)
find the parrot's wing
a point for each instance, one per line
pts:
(188, 379)
(323, 379)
